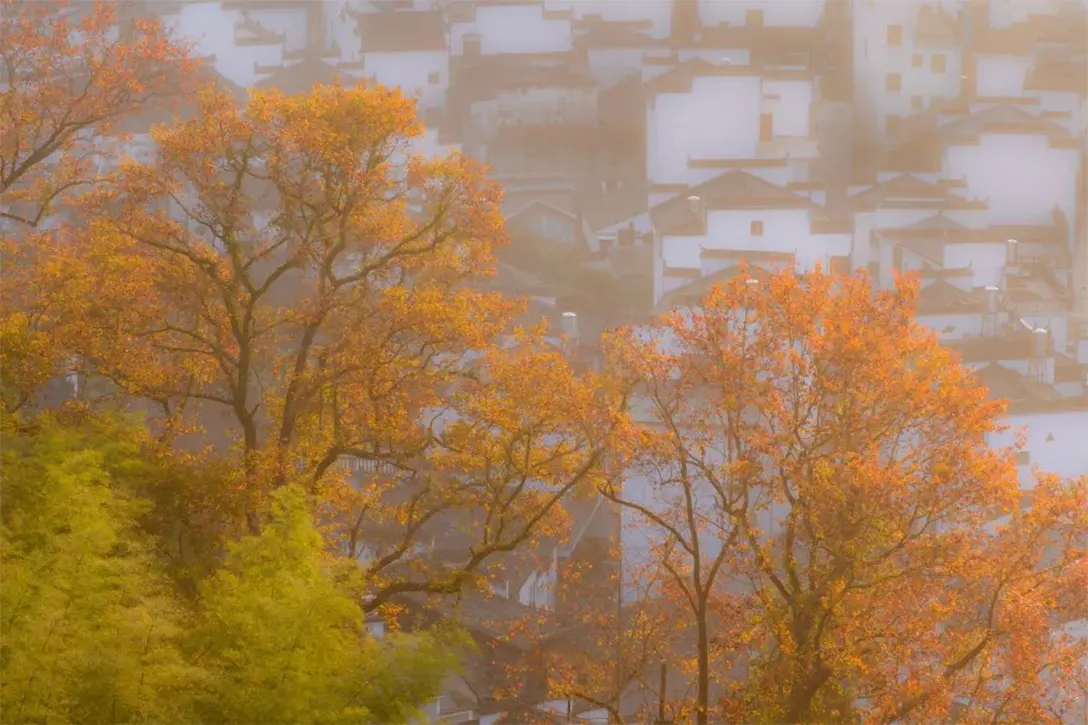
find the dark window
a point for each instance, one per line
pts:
(893, 83)
(756, 228)
(917, 103)
(434, 78)
(917, 60)
(895, 36)
(938, 64)
(755, 18)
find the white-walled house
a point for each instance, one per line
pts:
(907, 56)
(897, 201)
(707, 229)
(507, 28)
(615, 51)
(406, 50)
(761, 13)
(242, 39)
(701, 113)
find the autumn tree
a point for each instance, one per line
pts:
(288, 267)
(881, 564)
(68, 73)
(589, 645)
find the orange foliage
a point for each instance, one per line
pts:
(289, 266)
(879, 564)
(66, 80)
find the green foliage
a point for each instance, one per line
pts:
(287, 641)
(94, 630)
(90, 630)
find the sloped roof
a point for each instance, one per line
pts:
(694, 291)
(615, 35)
(1007, 384)
(681, 78)
(1007, 346)
(941, 297)
(909, 190)
(301, 77)
(918, 143)
(1004, 118)
(929, 240)
(402, 31)
(938, 221)
(732, 190)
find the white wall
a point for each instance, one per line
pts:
(964, 325)
(1001, 75)
(718, 119)
(1066, 454)
(986, 259)
(874, 59)
(211, 29)
(513, 29)
(863, 250)
(411, 73)
(1004, 13)
(793, 108)
(612, 65)
(1020, 175)
(776, 13)
(785, 231)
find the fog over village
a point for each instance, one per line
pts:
(490, 362)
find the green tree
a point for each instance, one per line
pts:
(283, 631)
(90, 628)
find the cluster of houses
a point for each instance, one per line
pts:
(668, 142)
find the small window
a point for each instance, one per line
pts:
(917, 103)
(756, 228)
(766, 127)
(917, 60)
(755, 18)
(893, 83)
(434, 78)
(471, 45)
(938, 64)
(895, 36)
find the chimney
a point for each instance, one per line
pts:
(1012, 253)
(570, 327)
(1039, 365)
(697, 209)
(989, 323)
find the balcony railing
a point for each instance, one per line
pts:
(355, 465)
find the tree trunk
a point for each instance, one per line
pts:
(702, 702)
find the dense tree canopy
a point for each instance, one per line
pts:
(832, 519)
(94, 630)
(336, 416)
